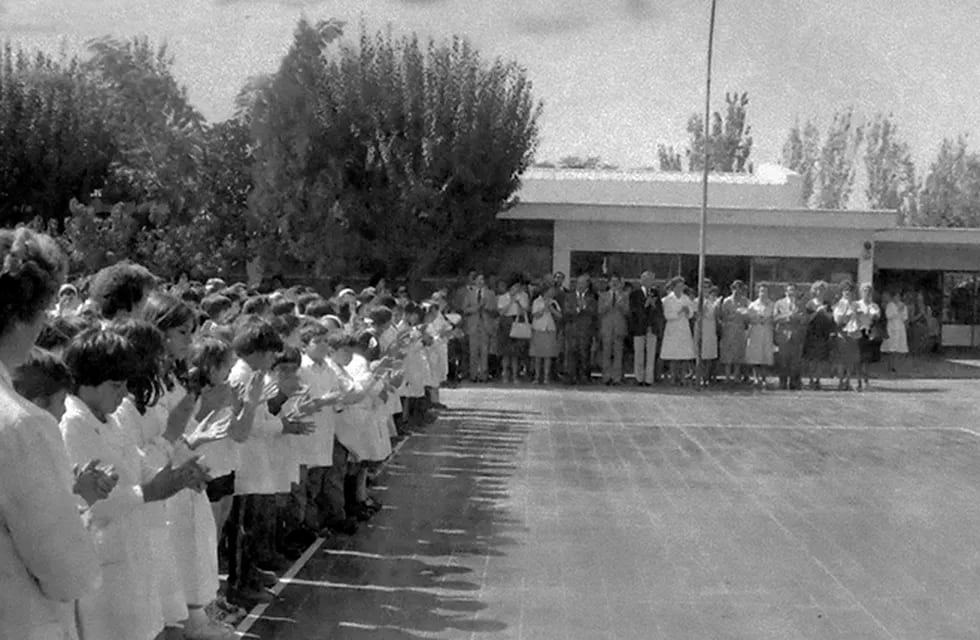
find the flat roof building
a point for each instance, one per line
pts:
(758, 231)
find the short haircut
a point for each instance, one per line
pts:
(288, 355)
(98, 355)
(412, 309)
(306, 299)
(216, 304)
(341, 340)
(120, 287)
(255, 305)
(380, 315)
(42, 375)
(32, 268)
(673, 282)
(59, 331)
(310, 331)
(320, 308)
(207, 353)
(285, 324)
(192, 295)
(167, 312)
(146, 380)
(283, 308)
(387, 301)
(254, 335)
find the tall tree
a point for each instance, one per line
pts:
(890, 169)
(951, 188)
(668, 159)
(729, 138)
(416, 148)
(836, 163)
(801, 153)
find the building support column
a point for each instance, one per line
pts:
(866, 264)
(561, 260)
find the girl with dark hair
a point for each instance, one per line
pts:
(128, 604)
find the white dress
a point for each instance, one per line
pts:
(709, 346)
(678, 341)
(363, 427)
(897, 341)
(128, 605)
(263, 469)
(47, 558)
(157, 452)
(321, 380)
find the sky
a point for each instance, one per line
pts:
(616, 77)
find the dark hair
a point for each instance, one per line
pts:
(207, 353)
(320, 308)
(380, 315)
(254, 335)
(120, 287)
(673, 282)
(146, 380)
(32, 268)
(99, 355)
(192, 295)
(216, 304)
(288, 355)
(166, 312)
(311, 330)
(306, 299)
(59, 331)
(283, 308)
(232, 293)
(387, 301)
(341, 340)
(285, 324)
(42, 375)
(255, 305)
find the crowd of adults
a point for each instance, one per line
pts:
(544, 331)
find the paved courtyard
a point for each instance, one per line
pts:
(543, 513)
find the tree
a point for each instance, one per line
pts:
(589, 162)
(951, 189)
(669, 159)
(801, 153)
(729, 138)
(54, 142)
(835, 171)
(890, 169)
(416, 150)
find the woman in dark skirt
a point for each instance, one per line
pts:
(869, 342)
(846, 352)
(820, 332)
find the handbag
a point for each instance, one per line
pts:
(521, 329)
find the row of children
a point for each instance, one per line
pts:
(180, 424)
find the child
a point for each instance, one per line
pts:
(128, 604)
(322, 512)
(412, 390)
(45, 380)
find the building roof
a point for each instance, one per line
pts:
(929, 235)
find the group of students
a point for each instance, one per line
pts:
(148, 433)
(829, 330)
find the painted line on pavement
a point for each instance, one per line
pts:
(290, 576)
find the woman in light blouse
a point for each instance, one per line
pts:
(867, 314)
(545, 314)
(759, 345)
(847, 352)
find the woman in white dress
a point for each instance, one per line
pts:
(759, 343)
(896, 344)
(678, 347)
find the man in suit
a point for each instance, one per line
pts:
(614, 307)
(560, 293)
(478, 305)
(579, 319)
(646, 327)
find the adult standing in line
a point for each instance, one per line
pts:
(820, 333)
(869, 342)
(759, 346)
(478, 307)
(614, 307)
(790, 331)
(733, 316)
(581, 319)
(896, 345)
(513, 306)
(560, 293)
(709, 325)
(646, 326)
(48, 559)
(678, 348)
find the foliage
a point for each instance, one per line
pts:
(668, 159)
(729, 140)
(888, 160)
(951, 189)
(416, 148)
(801, 153)
(589, 162)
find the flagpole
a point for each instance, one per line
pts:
(704, 202)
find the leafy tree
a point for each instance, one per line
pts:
(416, 149)
(589, 162)
(890, 169)
(836, 163)
(669, 159)
(729, 138)
(951, 189)
(54, 143)
(801, 154)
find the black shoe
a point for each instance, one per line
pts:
(346, 526)
(266, 578)
(249, 597)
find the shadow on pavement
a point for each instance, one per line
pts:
(417, 568)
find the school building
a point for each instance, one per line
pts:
(757, 231)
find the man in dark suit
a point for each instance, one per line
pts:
(581, 321)
(478, 306)
(560, 295)
(646, 327)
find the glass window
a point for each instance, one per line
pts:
(960, 298)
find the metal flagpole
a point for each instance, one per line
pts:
(699, 374)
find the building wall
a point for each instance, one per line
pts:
(927, 257)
